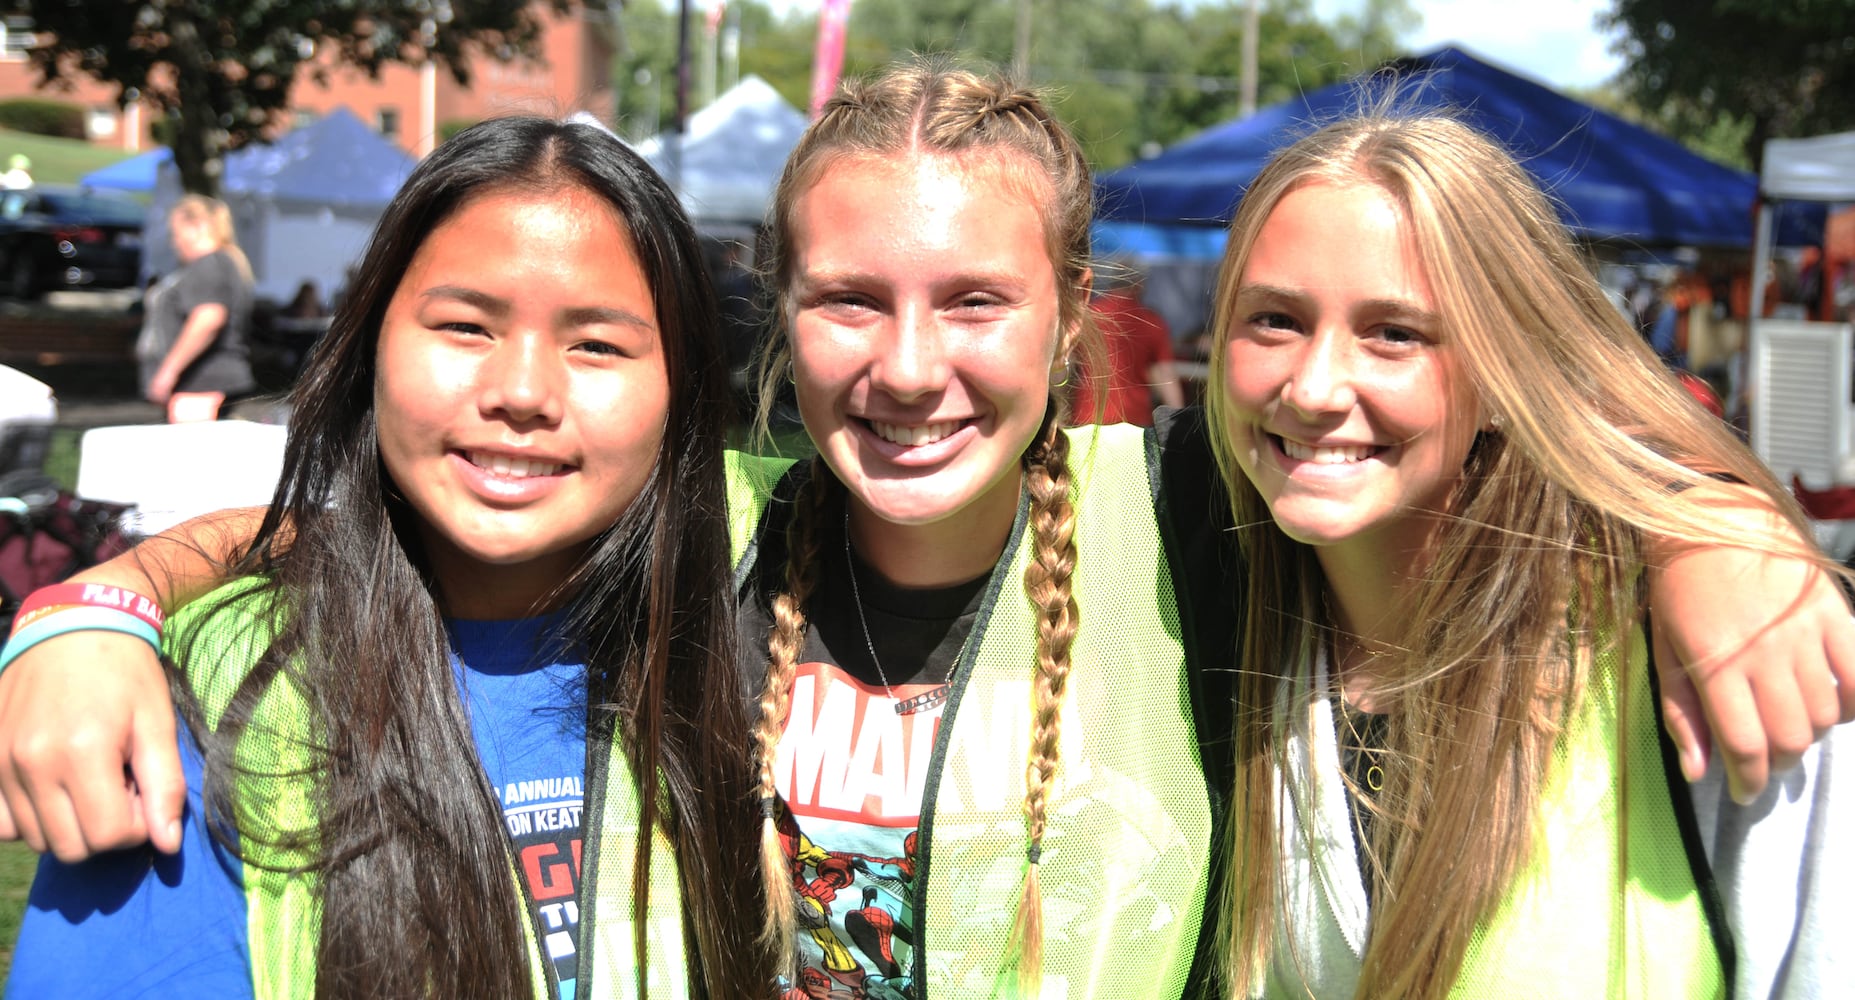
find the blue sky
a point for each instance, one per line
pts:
(1555, 42)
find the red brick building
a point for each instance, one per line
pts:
(411, 105)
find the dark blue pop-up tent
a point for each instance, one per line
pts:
(1612, 180)
(303, 205)
(137, 173)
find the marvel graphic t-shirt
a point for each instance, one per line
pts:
(528, 713)
(852, 771)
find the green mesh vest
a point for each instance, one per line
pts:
(1608, 905)
(1128, 841)
(284, 908)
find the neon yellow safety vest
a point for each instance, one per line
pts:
(1128, 843)
(284, 910)
(1608, 905)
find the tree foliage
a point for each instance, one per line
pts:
(1128, 75)
(222, 69)
(1712, 67)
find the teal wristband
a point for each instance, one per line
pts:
(77, 620)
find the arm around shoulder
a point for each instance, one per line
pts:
(77, 709)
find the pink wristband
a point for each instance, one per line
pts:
(96, 595)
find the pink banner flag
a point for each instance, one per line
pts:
(828, 59)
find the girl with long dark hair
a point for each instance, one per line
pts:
(468, 719)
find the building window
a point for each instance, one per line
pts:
(100, 121)
(386, 121)
(16, 37)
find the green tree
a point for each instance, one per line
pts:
(778, 50)
(222, 69)
(1128, 75)
(1774, 69)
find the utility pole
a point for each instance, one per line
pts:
(1246, 93)
(1021, 46)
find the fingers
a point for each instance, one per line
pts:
(160, 786)
(1681, 711)
(77, 793)
(1784, 716)
(1738, 736)
(1839, 647)
(68, 717)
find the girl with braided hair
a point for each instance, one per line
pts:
(919, 581)
(1057, 602)
(990, 656)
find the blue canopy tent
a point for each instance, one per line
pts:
(303, 205)
(137, 173)
(1612, 180)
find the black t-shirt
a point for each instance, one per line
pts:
(853, 870)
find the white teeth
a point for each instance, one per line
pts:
(916, 435)
(1325, 455)
(512, 468)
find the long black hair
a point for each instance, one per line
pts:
(407, 842)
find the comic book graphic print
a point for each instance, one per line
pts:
(852, 771)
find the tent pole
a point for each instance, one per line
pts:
(1761, 261)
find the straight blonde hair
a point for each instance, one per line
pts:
(1594, 447)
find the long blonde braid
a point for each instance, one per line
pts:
(1047, 584)
(785, 643)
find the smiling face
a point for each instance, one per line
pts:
(924, 330)
(1348, 411)
(521, 391)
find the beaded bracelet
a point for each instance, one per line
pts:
(104, 619)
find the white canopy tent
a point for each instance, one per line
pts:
(1801, 372)
(730, 155)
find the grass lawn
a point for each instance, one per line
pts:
(17, 863)
(56, 160)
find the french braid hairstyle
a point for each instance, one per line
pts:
(929, 106)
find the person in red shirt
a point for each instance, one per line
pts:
(1139, 356)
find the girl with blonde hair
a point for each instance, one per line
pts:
(1446, 451)
(203, 317)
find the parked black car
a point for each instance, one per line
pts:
(55, 236)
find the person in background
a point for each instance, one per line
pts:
(1138, 346)
(18, 173)
(306, 303)
(203, 318)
